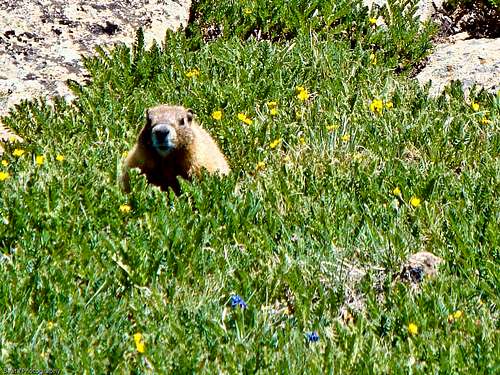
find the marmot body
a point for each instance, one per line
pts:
(172, 144)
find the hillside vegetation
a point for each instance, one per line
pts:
(341, 165)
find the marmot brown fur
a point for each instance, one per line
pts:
(172, 144)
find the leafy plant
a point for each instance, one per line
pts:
(393, 29)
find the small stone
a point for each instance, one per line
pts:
(420, 265)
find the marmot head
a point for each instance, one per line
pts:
(167, 128)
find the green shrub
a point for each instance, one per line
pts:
(392, 31)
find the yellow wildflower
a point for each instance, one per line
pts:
(415, 202)
(345, 138)
(412, 329)
(274, 143)
(389, 104)
(357, 156)
(4, 176)
(377, 21)
(50, 325)
(39, 159)
(242, 117)
(217, 115)
(485, 121)
(260, 165)
(124, 154)
(303, 95)
(5, 163)
(373, 58)
(60, 158)
(474, 106)
(273, 107)
(376, 106)
(139, 342)
(455, 316)
(247, 11)
(125, 208)
(193, 73)
(333, 127)
(18, 152)
(397, 191)
(302, 140)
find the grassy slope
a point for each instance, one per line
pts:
(79, 277)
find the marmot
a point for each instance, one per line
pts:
(172, 144)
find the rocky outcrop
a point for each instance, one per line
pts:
(41, 42)
(472, 61)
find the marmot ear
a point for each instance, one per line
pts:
(188, 118)
(145, 134)
(148, 118)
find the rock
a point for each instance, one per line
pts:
(48, 37)
(473, 61)
(420, 265)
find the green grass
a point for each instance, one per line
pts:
(80, 277)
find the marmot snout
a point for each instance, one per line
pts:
(172, 144)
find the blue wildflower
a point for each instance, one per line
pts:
(312, 336)
(237, 301)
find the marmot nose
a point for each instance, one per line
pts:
(161, 133)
